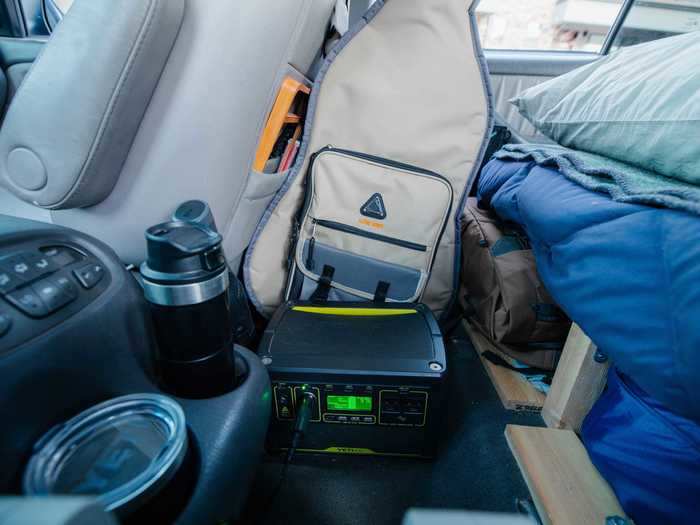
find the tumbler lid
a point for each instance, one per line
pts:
(123, 451)
(182, 252)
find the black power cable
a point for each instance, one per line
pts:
(308, 399)
(304, 411)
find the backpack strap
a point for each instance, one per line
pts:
(381, 292)
(497, 360)
(320, 295)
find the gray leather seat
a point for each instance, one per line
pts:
(135, 107)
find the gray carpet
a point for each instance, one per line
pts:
(474, 469)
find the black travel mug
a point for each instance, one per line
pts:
(185, 281)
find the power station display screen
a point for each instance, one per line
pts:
(349, 403)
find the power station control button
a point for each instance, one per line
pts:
(413, 406)
(391, 404)
(285, 407)
(402, 419)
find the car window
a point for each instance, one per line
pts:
(563, 25)
(648, 21)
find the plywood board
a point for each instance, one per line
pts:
(515, 391)
(564, 484)
(577, 383)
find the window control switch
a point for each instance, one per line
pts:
(89, 275)
(66, 284)
(28, 301)
(52, 294)
(5, 323)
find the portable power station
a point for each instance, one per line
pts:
(377, 374)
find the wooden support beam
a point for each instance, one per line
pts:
(564, 484)
(577, 383)
(515, 392)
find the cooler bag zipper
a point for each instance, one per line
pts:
(338, 226)
(333, 225)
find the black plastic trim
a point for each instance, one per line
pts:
(615, 28)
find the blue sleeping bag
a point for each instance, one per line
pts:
(629, 275)
(648, 454)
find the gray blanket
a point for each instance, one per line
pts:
(624, 183)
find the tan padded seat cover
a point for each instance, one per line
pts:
(409, 86)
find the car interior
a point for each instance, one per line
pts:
(349, 261)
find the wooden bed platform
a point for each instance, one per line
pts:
(516, 392)
(565, 486)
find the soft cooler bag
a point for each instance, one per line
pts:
(502, 292)
(370, 225)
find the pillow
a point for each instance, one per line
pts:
(639, 105)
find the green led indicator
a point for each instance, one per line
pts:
(349, 403)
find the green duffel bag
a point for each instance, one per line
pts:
(502, 294)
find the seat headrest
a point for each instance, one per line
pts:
(71, 124)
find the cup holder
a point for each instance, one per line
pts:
(134, 453)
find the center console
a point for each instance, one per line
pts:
(76, 331)
(44, 283)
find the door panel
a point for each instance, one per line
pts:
(512, 72)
